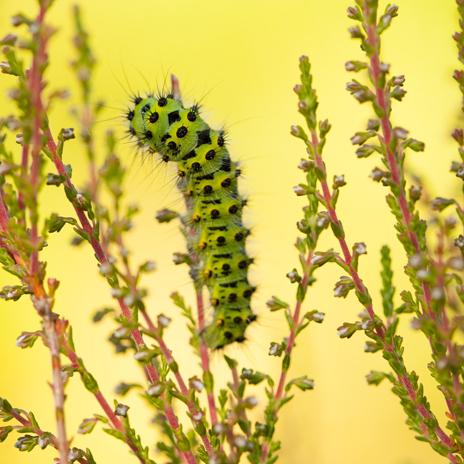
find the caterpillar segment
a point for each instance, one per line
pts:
(209, 180)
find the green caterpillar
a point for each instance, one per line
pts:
(208, 180)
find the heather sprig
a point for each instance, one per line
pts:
(382, 334)
(427, 268)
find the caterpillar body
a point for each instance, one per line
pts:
(209, 180)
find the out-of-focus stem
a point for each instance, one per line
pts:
(41, 303)
(135, 333)
(289, 348)
(180, 381)
(205, 357)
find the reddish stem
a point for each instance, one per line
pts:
(180, 381)
(101, 256)
(205, 357)
(388, 135)
(380, 331)
(289, 348)
(36, 85)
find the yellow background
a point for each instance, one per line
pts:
(241, 59)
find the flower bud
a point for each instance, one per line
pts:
(300, 191)
(163, 320)
(121, 410)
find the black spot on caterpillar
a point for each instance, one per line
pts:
(208, 178)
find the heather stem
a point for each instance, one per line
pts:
(380, 331)
(41, 303)
(205, 358)
(126, 312)
(288, 350)
(180, 381)
(395, 168)
(100, 398)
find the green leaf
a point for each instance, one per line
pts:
(90, 383)
(116, 433)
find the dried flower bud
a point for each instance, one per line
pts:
(26, 339)
(43, 442)
(317, 316)
(339, 181)
(343, 331)
(343, 287)
(129, 300)
(251, 402)
(121, 410)
(19, 139)
(105, 268)
(218, 428)
(459, 242)
(19, 19)
(116, 292)
(276, 349)
(397, 93)
(274, 304)
(121, 332)
(439, 204)
(68, 134)
(297, 131)
(416, 261)
(240, 441)
(75, 453)
(355, 32)
(300, 191)
(323, 219)
(400, 133)
(458, 136)
(415, 192)
(180, 258)
(197, 416)
(437, 293)
(293, 276)
(163, 320)
(303, 226)
(450, 222)
(156, 389)
(304, 165)
(384, 68)
(297, 89)
(5, 67)
(377, 174)
(392, 10)
(197, 385)
(143, 355)
(354, 13)
(359, 248)
(166, 215)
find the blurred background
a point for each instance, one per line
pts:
(240, 59)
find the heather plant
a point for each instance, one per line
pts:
(197, 418)
(102, 218)
(433, 247)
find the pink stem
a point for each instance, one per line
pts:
(135, 333)
(180, 381)
(404, 380)
(289, 348)
(205, 357)
(387, 134)
(36, 85)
